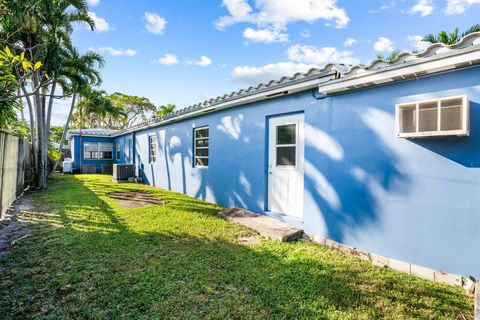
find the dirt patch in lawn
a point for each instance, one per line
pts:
(13, 229)
(134, 199)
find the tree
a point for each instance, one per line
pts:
(392, 56)
(8, 85)
(95, 109)
(41, 30)
(164, 110)
(136, 109)
(450, 38)
(78, 72)
(56, 133)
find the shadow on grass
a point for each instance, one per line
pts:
(92, 259)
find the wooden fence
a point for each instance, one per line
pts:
(15, 159)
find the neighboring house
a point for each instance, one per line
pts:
(327, 151)
(65, 149)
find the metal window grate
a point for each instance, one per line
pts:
(436, 117)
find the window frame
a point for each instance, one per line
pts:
(286, 145)
(150, 149)
(130, 150)
(97, 151)
(118, 154)
(465, 118)
(195, 157)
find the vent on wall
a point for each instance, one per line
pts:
(438, 117)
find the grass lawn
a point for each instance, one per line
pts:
(87, 257)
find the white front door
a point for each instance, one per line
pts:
(285, 165)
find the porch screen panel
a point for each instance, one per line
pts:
(90, 150)
(105, 150)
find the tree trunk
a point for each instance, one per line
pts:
(33, 138)
(40, 115)
(64, 134)
(49, 111)
(22, 114)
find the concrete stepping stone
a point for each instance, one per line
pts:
(266, 226)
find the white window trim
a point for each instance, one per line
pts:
(150, 148)
(465, 131)
(195, 157)
(130, 150)
(118, 154)
(297, 131)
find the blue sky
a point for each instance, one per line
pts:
(186, 51)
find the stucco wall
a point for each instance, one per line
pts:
(413, 200)
(124, 154)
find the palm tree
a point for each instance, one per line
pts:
(41, 29)
(79, 71)
(392, 56)
(450, 38)
(164, 110)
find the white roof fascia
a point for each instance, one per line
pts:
(429, 65)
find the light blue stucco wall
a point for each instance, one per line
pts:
(124, 154)
(413, 200)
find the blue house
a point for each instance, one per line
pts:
(385, 158)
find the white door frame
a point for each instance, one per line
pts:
(285, 183)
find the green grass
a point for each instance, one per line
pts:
(180, 261)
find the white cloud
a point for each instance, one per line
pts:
(115, 52)
(275, 15)
(320, 56)
(417, 43)
(101, 25)
(155, 23)
(204, 61)
(459, 6)
(305, 33)
(384, 7)
(424, 7)
(168, 59)
(93, 3)
(349, 42)
(383, 45)
(255, 75)
(265, 35)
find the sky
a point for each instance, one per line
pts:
(186, 51)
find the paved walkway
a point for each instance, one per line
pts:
(266, 226)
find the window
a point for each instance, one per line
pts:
(438, 117)
(286, 145)
(201, 147)
(130, 150)
(117, 150)
(152, 148)
(98, 150)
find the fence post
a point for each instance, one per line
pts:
(2, 153)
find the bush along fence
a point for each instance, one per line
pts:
(15, 161)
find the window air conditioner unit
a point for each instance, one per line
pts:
(431, 118)
(121, 172)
